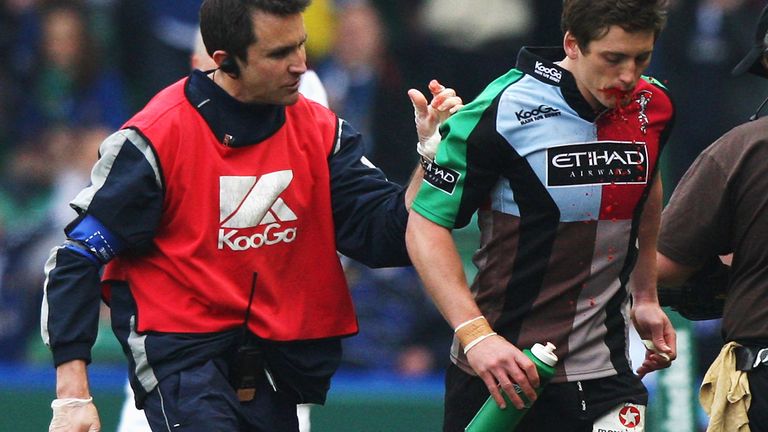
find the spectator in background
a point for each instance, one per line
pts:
(352, 72)
(26, 187)
(471, 45)
(155, 39)
(69, 83)
(401, 331)
(320, 21)
(695, 55)
(365, 86)
(43, 175)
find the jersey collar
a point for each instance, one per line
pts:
(539, 62)
(235, 124)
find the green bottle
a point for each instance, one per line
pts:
(491, 418)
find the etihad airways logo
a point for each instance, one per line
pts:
(596, 163)
(249, 201)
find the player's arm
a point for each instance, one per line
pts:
(650, 320)
(496, 361)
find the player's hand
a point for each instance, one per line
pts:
(428, 116)
(74, 415)
(501, 366)
(653, 325)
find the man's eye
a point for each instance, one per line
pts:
(643, 58)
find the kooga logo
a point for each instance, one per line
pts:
(249, 201)
(550, 73)
(541, 112)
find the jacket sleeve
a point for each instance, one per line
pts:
(118, 212)
(368, 211)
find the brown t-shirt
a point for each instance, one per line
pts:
(721, 206)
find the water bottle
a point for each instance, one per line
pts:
(491, 418)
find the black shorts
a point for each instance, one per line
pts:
(200, 399)
(758, 408)
(560, 408)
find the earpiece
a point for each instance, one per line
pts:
(230, 67)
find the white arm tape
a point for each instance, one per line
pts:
(477, 341)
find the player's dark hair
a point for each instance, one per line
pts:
(227, 24)
(589, 20)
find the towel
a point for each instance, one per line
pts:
(725, 395)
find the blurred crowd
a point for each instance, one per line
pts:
(76, 70)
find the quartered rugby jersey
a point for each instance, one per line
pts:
(559, 191)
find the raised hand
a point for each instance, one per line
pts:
(428, 116)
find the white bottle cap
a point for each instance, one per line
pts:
(545, 353)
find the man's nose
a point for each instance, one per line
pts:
(629, 75)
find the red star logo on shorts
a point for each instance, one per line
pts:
(629, 416)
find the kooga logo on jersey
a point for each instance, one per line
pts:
(597, 163)
(541, 112)
(550, 73)
(248, 202)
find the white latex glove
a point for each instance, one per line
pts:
(428, 117)
(74, 415)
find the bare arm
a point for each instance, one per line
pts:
(413, 186)
(494, 359)
(643, 278)
(73, 408)
(672, 273)
(650, 320)
(72, 380)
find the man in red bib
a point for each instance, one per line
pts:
(217, 212)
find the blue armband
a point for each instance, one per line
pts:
(91, 239)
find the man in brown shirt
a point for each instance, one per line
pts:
(720, 207)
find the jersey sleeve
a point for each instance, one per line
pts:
(119, 211)
(368, 211)
(465, 169)
(696, 224)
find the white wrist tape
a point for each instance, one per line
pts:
(428, 148)
(477, 341)
(70, 402)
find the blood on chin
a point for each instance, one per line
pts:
(618, 95)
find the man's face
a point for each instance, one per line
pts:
(276, 60)
(608, 69)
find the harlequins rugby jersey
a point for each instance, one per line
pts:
(559, 190)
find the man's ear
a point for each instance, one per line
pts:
(219, 56)
(570, 46)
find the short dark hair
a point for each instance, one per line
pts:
(589, 20)
(227, 25)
